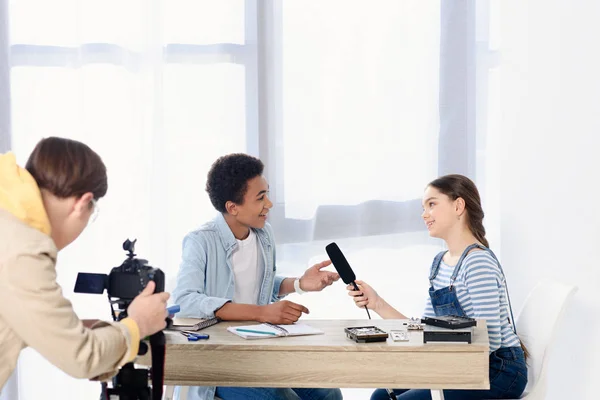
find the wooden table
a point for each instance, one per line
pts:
(327, 361)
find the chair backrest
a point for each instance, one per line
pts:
(537, 325)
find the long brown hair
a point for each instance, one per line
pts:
(455, 186)
(67, 168)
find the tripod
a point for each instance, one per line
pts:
(131, 383)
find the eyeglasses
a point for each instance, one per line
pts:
(95, 211)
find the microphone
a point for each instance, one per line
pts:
(342, 267)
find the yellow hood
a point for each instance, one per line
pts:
(20, 194)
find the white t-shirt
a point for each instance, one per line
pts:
(247, 275)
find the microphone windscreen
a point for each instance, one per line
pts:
(340, 263)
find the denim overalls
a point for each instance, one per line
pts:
(508, 371)
(444, 301)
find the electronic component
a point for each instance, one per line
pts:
(366, 334)
(437, 334)
(450, 322)
(400, 336)
(415, 324)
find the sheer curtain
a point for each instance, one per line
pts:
(159, 89)
(353, 108)
(366, 105)
(360, 94)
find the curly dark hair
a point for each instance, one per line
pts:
(228, 178)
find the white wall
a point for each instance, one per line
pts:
(549, 172)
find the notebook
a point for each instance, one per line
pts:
(193, 324)
(266, 331)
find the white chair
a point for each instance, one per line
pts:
(537, 325)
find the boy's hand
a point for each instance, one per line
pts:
(149, 310)
(315, 280)
(282, 312)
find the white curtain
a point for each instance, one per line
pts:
(347, 103)
(360, 89)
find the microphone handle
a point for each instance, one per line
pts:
(357, 289)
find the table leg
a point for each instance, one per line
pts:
(437, 394)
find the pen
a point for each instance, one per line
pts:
(253, 331)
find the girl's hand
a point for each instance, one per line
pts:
(365, 296)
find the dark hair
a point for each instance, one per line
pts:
(67, 168)
(228, 178)
(455, 186)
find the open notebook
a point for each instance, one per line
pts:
(266, 331)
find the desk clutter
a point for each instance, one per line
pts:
(451, 329)
(442, 329)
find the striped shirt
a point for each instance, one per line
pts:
(481, 292)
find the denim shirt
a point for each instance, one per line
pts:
(205, 279)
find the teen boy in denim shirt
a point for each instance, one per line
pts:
(228, 268)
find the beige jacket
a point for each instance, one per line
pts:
(33, 310)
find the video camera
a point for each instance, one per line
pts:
(122, 285)
(124, 282)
